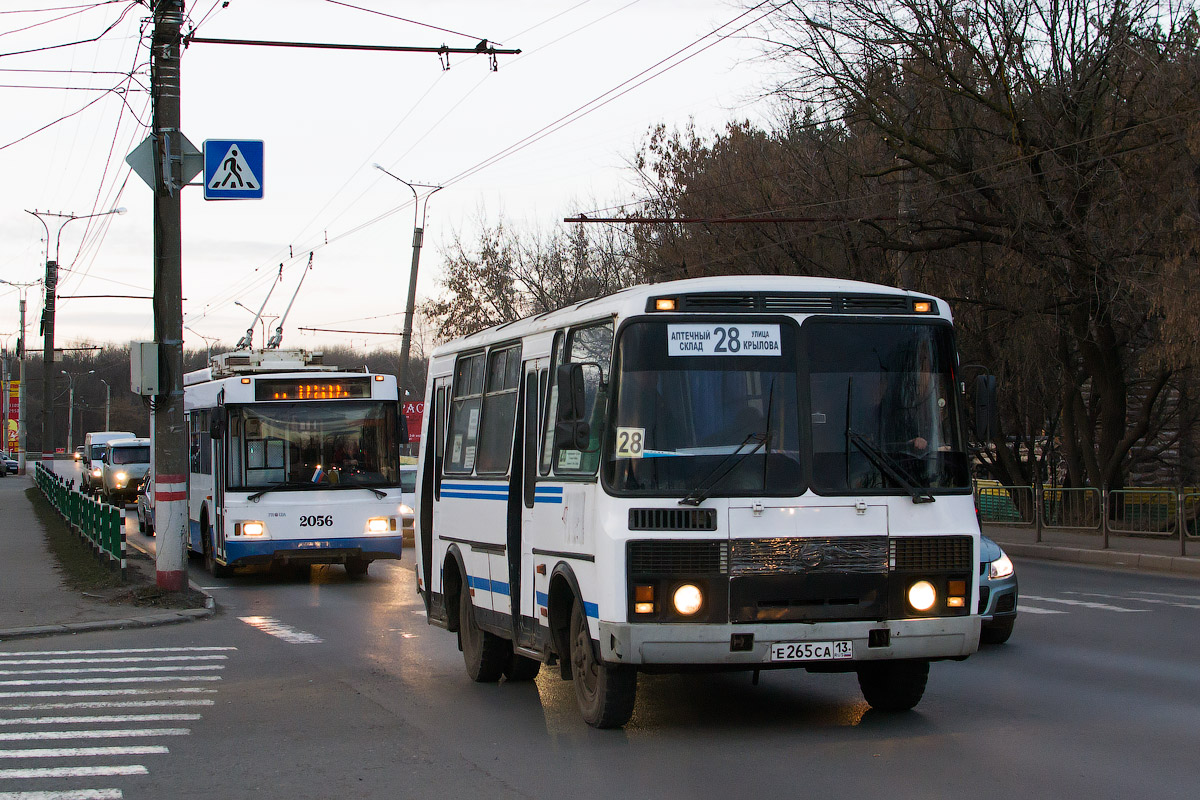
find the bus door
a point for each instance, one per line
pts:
(524, 489)
(218, 429)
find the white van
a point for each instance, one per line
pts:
(126, 462)
(93, 457)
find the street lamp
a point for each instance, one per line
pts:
(107, 404)
(51, 287)
(71, 406)
(420, 206)
(261, 318)
(21, 287)
(207, 342)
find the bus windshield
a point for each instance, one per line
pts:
(883, 406)
(724, 416)
(327, 444)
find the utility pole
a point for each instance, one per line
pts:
(21, 390)
(420, 206)
(107, 405)
(170, 436)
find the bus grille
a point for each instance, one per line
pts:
(931, 553)
(672, 519)
(857, 554)
(677, 558)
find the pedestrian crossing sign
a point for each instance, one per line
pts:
(233, 169)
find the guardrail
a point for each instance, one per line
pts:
(1148, 512)
(1190, 505)
(1011, 505)
(1072, 509)
(98, 523)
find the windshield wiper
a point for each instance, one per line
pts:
(886, 465)
(702, 489)
(353, 484)
(282, 485)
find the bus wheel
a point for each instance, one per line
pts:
(605, 692)
(893, 685)
(357, 567)
(520, 668)
(485, 654)
(210, 559)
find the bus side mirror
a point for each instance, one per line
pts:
(987, 409)
(571, 432)
(217, 421)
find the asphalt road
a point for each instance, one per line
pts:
(332, 688)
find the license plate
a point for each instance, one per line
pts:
(812, 651)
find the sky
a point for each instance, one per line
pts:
(550, 134)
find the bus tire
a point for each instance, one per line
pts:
(485, 654)
(893, 685)
(210, 557)
(605, 692)
(520, 668)
(356, 568)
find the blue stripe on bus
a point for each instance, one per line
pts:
(548, 494)
(485, 585)
(483, 491)
(590, 609)
(476, 487)
(475, 495)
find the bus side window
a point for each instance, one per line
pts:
(499, 410)
(549, 410)
(439, 438)
(464, 414)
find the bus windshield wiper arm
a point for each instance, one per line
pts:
(353, 484)
(705, 486)
(281, 485)
(887, 466)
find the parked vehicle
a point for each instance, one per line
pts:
(145, 506)
(997, 592)
(78, 454)
(8, 464)
(93, 457)
(126, 462)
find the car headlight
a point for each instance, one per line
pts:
(120, 478)
(97, 472)
(253, 528)
(688, 599)
(380, 525)
(922, 595)
(405, 510)
(1002, 567)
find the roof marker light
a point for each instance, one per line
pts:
(664, 304)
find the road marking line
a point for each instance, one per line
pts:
(118, 652)
(106, 704)
(1024, 609)
(117, 733)
(1175, 596)
(72, 794)
(1150, 600)
(110, 692)
(73, 772)
(43, 661)
(100, 718)
(139, 679)
(280, 630)
(79, 752)
(1086, 604)
(86, 670)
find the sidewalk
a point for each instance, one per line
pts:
(34, 601)
(1150, 554)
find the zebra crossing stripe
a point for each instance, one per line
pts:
(106, 718)
(140, 679)
(126, 651)
(1024, 609)
(71, 794)
(109, 692)
(79, 752)
(73, 772)
(1086, 604)
(130, 659)
(125, 733)
(88, 670)
(278, 629)
(117, 704)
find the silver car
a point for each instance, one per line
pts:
(997, 592)
(145, 506)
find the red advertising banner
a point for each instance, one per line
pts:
(14, 412)
(414, 412)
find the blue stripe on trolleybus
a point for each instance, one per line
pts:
(492, 491)
(485, 585)
(590, 609)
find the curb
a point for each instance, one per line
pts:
(1175, 565)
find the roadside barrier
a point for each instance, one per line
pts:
(1072, 509)
(1149, 512)
(98, 523)
(1011, 505)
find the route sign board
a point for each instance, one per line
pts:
(233, 169)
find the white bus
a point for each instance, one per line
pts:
(716, 473)
(292, 462)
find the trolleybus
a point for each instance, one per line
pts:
(292, 462)
(717, 473)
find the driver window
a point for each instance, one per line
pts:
(588, 345)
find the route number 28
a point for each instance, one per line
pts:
(630, 442)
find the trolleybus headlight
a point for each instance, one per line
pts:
(253, 528)
(406, 510)
(1002, 567)
(688, 599)
(377, 525)
(922, 595)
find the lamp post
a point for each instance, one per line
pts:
(51, 287)
(21, 287)
(107, 404)
(262, 319)
(420, 206)
(207, 341)
(71, 406)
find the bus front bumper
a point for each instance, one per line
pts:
(311, 551)
(699, 645)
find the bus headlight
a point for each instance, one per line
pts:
(379, 525)
(688, 599)
(253, 528)
(405, 510)
(922, 595)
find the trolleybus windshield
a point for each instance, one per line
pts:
(319, 444)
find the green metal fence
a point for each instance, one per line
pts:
(99, 523)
